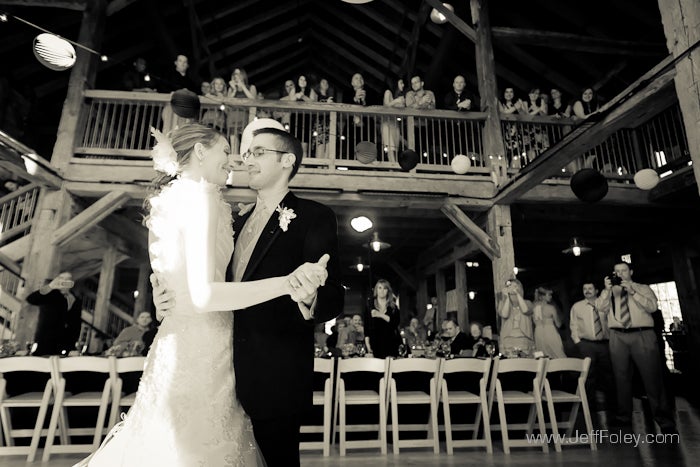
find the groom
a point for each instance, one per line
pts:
(273, 342)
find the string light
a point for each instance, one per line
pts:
(5, 17)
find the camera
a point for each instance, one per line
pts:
(615, 279)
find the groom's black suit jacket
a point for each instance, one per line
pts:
(273, 344)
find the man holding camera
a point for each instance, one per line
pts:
(633, 341)
(59, 316)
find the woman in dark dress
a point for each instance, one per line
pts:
(382, 322)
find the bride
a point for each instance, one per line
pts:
(186, 413)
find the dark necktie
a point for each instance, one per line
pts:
(597, 326)
(623, 314)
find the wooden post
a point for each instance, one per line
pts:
(461, 291)
(681, 20)
(143, 287)
(488, 92)
(501, 229)
(82, 76)
(422, 297)
(689, 297)
(441, 294)
(104, 288)
(42, 262)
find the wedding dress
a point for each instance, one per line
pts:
(186, 413)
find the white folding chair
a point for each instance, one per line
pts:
(559, 367)
(43, 367)
(374, 396)
(121, 367)
(326, 367)
(465, 395)
(63, 400)
(532, 397)
(414, 396)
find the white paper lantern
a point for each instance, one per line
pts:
(461, 164)
(439, 18)
(646, 179)
(54, 52)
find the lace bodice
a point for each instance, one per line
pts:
(171, 210)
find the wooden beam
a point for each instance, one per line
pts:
(457, 254)
(577, 43)
(6, 262)
(405, 276)
(501, 229)
(104, 288)
(486, 244)
(233, 8)
(24, 162)
(409, 63)
(82, 76)
(650, 94)
(447, 243)
(116, 6)
(461, 287)
(89, 217)
(453, 19)
(77, 5)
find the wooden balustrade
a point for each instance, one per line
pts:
(17, 211)
(116, 126)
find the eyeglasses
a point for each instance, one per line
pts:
(257, 152)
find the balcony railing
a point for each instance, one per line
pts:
(116, 126)
(17, 212)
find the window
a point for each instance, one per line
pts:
(669, 305)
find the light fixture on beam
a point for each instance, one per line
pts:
(576, 247)
(359, 266)
(437, 17)
(376, 244)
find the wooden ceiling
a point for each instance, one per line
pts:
(606, 44)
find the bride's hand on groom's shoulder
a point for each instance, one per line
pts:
(306, 279)
(163, 298)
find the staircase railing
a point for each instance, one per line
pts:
(17, 211)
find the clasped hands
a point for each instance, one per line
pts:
(306, 279)
(378, 314)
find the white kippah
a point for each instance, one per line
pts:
(257, 124)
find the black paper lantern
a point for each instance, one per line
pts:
(366, 152)
(185, 103)
(589, 185)
(408, 160)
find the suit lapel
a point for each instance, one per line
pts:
(238, 224)
(267, 237)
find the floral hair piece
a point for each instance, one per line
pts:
(164, 155)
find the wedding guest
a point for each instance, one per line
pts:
(547, 323)
(516, 315)
(590, 334)
(178, 78)
(394, 97)
(131, 337)
(585, 105)
(383, 321)
(455, 337)
(536, 105)
(633, 343)
(237, 116)
(414, 333)
(459, 99)
(300, 122)
(558, 107)
(58, 327)
(326, 94)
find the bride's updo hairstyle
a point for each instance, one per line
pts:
(182, 141)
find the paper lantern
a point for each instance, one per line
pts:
(646, 179)
(366, 152)
(408, 160)
(54, 52)
(439, 18)
(185, 103)
(461, 164)
(257, 124)
(589, 185)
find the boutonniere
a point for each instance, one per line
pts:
(243, 208)
(285, 217)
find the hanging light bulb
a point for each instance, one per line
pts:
(472, 295)
(437, 17)
(576, 248)
(376, 244)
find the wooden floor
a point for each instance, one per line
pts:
(683, 453)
